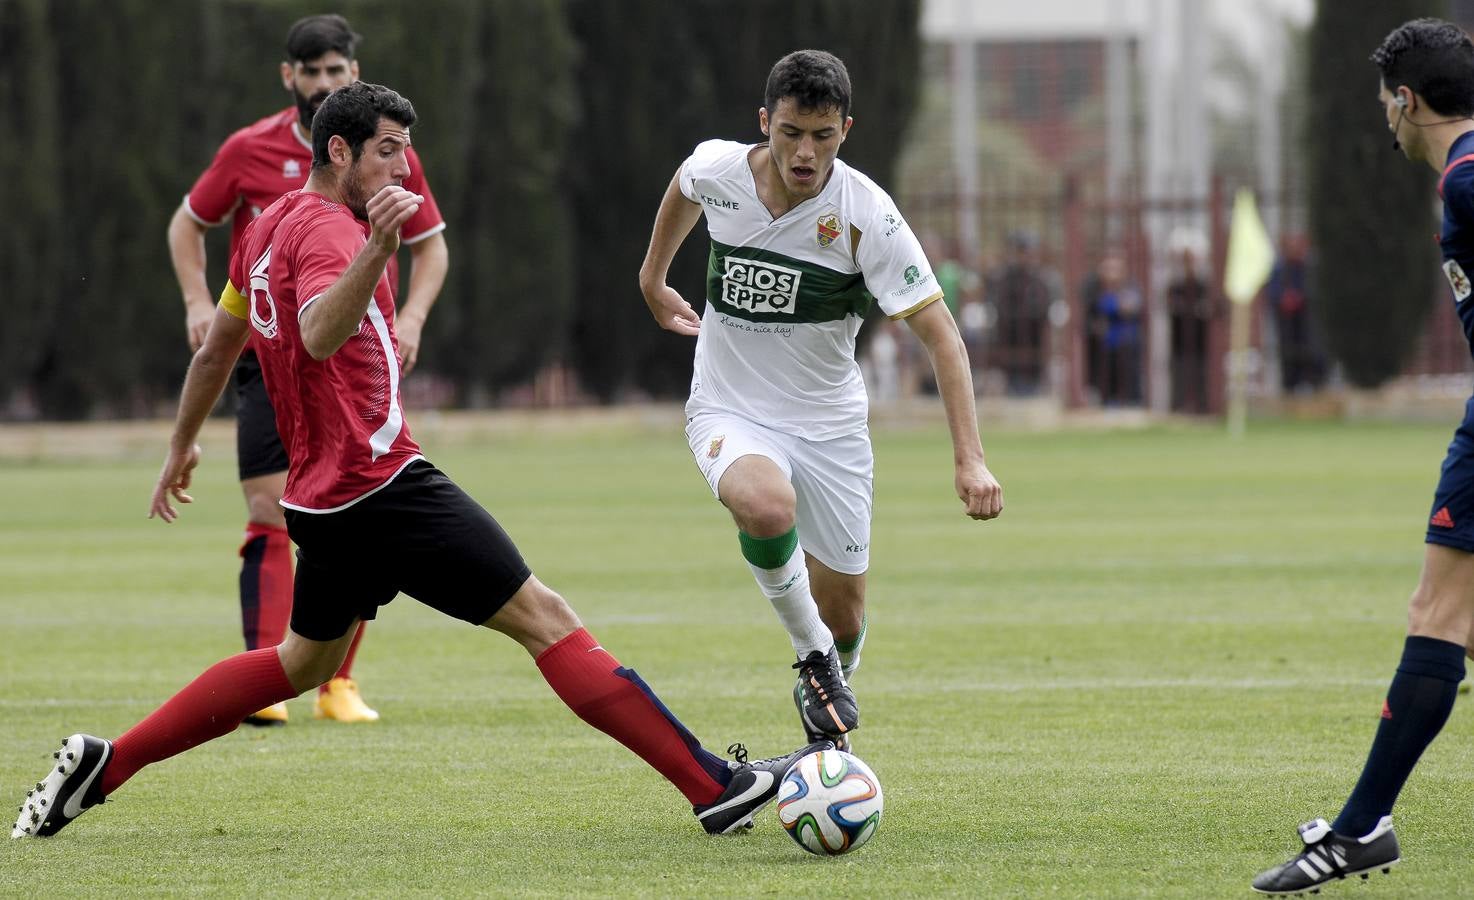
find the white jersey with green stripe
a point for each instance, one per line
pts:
(785, 297)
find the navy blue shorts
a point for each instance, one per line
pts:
(1451, 521)
(420, 534)
(258, 446)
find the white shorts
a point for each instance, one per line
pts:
(832, 479)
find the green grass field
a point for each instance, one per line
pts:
(1170, 651)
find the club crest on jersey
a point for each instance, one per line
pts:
(829, 230)
(1457, 280)
(291, 169)
(758, 286)
(715, 450)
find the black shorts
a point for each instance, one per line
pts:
(420, 534)
(1451, 519)
(258, 446)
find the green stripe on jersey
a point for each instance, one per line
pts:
(763, 286)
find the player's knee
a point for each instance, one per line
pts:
(770, 522)
(556, 616)
(307, 664)
(762, 500)
(307, 672)
(264, 508)
(765, 514)
(536, 617)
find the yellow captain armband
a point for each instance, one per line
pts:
(233, 302)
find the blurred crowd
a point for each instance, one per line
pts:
(1017, 318)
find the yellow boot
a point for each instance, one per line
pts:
(275, 714)
(339, 699)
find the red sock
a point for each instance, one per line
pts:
(614, 700)
(266, 585)
(211, 705)
(347, 666)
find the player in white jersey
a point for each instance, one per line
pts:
(777, 419)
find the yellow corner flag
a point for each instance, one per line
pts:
(1250, 261)
(1250, 252)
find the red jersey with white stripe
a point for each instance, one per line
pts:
(341, 418)
(264, 160)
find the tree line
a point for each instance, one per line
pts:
(1372, 213)
(548, 128)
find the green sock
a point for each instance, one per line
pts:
(778, 565)
(769, 553)
(849, 651)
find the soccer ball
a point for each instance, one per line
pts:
(830, 802)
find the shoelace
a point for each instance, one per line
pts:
(739, 753)
(816, 668)
(1322, 850)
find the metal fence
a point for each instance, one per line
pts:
(1118, 301)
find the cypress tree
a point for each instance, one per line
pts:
(120, 114)
(1371, 211)
(643, 113)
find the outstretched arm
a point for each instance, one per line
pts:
(208, 373)
(675, 219)
(978, 490)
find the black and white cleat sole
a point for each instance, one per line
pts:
(57, 799)
(1364, 874)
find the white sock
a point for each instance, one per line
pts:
(787, 588)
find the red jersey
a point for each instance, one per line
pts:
(341, 418)
(264, 160)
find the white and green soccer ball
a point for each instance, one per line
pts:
(830, 802)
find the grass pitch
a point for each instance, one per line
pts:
(1170, 650)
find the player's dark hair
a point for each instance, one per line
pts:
(310, 38)
(815, 79)
(352, 112)
(1433, 57)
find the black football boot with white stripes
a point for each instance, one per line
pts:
(1329, 856)
(73, 785)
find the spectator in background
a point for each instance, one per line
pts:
(954, 277)
(1114, 321)
(1191, 310)
(973, 322)
(882, 362)
(1021, 292)
(961, 286)
(1301, 366)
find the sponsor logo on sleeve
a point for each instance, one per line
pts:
(893, 224)
(1457, 280)
(759, 286)
(829, 229)
(915, 280)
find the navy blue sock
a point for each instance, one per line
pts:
(1418, 703)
